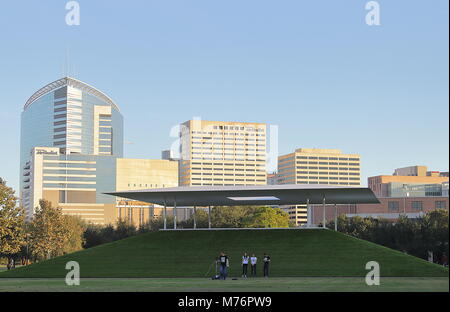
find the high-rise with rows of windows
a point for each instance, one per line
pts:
(222, 153)
(317, 166)
(71, 115)
(71, 134)
(71, 149)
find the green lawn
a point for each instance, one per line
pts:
(290, 284)
(294, 253)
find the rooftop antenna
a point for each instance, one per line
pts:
(66, 63)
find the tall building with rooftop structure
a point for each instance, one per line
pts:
(71, 153)
(222, 153)
(71, 134)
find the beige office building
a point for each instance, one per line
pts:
(222, 153)
(77, 183)
(138, 174)
(69, 181)
(409, 191)
(404, 178)
(317, 166)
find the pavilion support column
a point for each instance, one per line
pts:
(323, 210)
(335, 217)
(295, 215)
(195, 217)
(209, 217)
(308, 213)
(174, 213)
(165, 214)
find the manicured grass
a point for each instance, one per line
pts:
(289, 284)
(191, 254)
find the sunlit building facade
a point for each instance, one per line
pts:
(317, 166)
(73, 182)
(222, 153)
(71, 134)
(410, 191)
(408, 181)
(138, 174)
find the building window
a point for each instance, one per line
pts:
(417, 205)
(440, 204)
(62, 196)
(393, 206)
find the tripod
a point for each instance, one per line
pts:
(210, 267)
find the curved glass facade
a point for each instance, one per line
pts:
(71, 117)
(36, 126)
(79, 124)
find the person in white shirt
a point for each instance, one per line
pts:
(253, 261)
(245, 259)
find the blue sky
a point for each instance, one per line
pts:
(314, 68)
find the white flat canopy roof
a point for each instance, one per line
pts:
(288, 194)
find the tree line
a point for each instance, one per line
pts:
(421, 237)
(51, 233)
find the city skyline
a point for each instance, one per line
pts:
(384, 98)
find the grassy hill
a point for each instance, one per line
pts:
(191, 253)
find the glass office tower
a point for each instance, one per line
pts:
(71, 135)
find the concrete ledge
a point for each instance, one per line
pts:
(234, 229)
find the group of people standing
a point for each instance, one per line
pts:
(224, 263)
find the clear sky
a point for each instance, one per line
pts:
(314, 68)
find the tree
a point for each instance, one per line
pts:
(12, 222)
(201, 220)
(267, 217)
(239, 217)
(417, 237)
(230, 217)
(156, 224)
(124, 229)
(76, 227)
(49, 231)
(434, 230)
(95, 235)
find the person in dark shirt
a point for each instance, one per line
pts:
(266, 261)
(224, 264)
